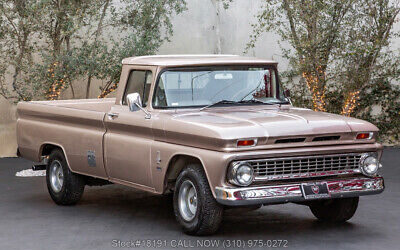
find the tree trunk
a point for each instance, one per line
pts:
(98, 32)
(72, 88)
(88, 86)
(17, 71)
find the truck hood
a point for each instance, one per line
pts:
(221, 126)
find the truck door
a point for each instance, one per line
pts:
(128, 139)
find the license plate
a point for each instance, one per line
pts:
(315, 191)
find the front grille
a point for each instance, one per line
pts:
(305, 166)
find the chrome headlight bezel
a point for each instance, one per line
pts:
(362, 164)
(234, 170)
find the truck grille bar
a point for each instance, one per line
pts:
(305, 166)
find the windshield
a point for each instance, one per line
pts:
(204, 86)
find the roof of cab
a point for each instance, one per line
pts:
(195, 60)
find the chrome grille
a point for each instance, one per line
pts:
(305, 166)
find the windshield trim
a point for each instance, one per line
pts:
(211, 68)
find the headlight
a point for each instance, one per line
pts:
(241, 174)
(369, 164)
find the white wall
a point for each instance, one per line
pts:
(195, 30)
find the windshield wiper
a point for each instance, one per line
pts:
(267, 103)
(217, 103)
(234, 102)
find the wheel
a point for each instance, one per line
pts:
(335, 210)
(65, 187)
(195, 208)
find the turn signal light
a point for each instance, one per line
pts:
(363, 136)
(246, 143)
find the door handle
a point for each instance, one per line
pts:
(112, 116)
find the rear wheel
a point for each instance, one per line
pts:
(335, 210)
(65, 187)
(195, 208)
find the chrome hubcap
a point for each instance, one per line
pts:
(56, 176)
(187, 200)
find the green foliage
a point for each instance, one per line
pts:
(17, 24)
(50, 45)
(383, 96)
(146, 25)
(339, 55)
(379, 103)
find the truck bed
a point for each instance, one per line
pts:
(99, 105)
(74, 125)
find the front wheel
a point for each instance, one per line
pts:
(195, 208)
(65, 187)
(335, 210)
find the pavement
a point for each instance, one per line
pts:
(113, 216)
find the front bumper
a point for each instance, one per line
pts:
(282, 193)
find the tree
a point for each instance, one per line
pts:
(312, 28)
(86, 55)
(147, 24)
(366, 54)
(61, 23)
(17, 24)
(50, 44)
(325, 34)
(340, 49)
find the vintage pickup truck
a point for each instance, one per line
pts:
(217, 131)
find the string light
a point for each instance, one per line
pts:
(107, 91)
(318, 95)
(57, 85)
(350, 103)
(54, 92)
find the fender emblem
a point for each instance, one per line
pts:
(91, 158)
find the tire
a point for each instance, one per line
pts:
(207, 217)
(68, 191)
(335, 210)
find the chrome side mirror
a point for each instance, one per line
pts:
(135, 103)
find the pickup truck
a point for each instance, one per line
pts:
(214, 131)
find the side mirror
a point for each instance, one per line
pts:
(135, 103)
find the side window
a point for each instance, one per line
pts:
(139, 81)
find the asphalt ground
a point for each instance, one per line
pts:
(113, 216)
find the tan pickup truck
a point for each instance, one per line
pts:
(216, 131)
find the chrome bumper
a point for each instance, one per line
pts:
(272, 194)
